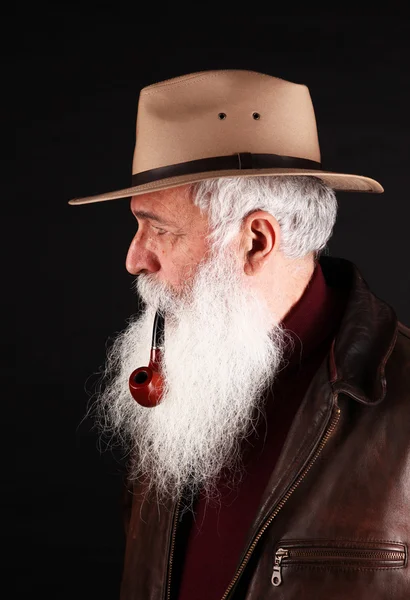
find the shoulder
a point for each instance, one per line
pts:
(404, 331)
(401, 349)
(397, 370)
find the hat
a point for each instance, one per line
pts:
(226, 123)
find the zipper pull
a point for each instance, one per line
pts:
(277, 569)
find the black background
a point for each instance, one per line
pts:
(78, 82)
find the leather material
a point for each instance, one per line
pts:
(355, 492)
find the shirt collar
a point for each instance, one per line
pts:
(312, 319)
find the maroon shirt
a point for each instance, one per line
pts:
(217, 536)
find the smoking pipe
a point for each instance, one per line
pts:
(146, 383)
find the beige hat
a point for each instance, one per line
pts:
(222, 124)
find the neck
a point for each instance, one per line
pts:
(289, 279)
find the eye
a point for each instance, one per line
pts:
(160, 231)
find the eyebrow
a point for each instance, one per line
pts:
(144, 214)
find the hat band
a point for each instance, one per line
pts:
(240, 161)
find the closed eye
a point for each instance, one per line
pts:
(159, 230)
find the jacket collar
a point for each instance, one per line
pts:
(366, 336)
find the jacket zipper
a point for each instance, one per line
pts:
(361, 557)
(172, 549)
(333, 423)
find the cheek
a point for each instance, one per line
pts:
(180, 259)
(178, 272)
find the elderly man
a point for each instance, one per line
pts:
(273, 461)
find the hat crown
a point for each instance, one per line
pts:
(220, 113)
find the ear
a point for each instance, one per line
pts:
(260, 240)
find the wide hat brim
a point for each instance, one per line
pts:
(342, 182)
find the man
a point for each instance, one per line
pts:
(276, 462)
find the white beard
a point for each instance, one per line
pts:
(222, 350)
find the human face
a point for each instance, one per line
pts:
(171, 238)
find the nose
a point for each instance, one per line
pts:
(140, 259)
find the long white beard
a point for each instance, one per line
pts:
(222, 349)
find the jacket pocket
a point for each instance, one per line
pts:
(337, 554)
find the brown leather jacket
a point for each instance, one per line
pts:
(334, 521)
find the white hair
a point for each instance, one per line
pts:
(304, 206)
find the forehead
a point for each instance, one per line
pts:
(167, 204)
